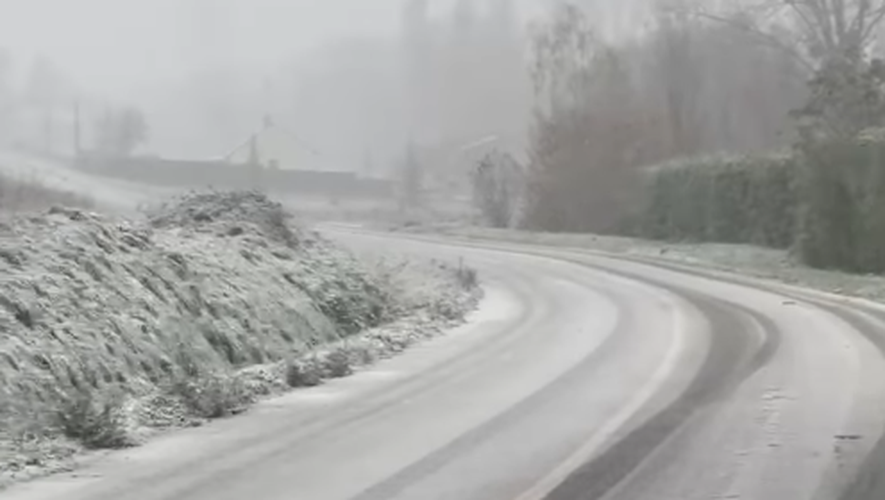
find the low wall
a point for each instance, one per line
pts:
(224, 175)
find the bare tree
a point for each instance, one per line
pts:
(411, 179)
(836, 27)
(717, 88)
(588, 131)
(812, 31)
(8, 104)
(46, 84)
(681, 79)
(687, 87)
(497, 187)
(419, 54)
(563, 52)
(831, 40)
(120, 131)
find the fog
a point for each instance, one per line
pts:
(112, 44)
(343, 77)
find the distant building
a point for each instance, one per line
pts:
(275, 147)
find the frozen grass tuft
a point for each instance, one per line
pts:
(95, 419)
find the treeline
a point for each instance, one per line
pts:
(43, 111)
(464, 70)
(716, 126)
(452, 74)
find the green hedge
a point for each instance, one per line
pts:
(842, 205)
(826, 201)
(723, 199)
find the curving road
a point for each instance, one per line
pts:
(581, 377)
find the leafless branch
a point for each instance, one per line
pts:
(767, 38)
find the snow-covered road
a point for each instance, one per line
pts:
(583, 376)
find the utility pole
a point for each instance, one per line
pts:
(255, 162)
(368, 163)
(48, 131)
(77, 144)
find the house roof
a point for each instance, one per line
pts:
(275, 143)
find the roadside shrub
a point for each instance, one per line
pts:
(362, 353)
(722, 199)
(97, 421)
(826, 201)
(467, 277)
(348, 297)
(497, 185)
(337, 363)
(303, 374)
(842, 211)
(213, 395)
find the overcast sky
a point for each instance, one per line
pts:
(146, 52)
(109, 44)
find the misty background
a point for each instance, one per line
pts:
(546, 115)
(351, 80)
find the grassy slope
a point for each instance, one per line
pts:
(110, 325)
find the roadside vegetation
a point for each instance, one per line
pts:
(755, 123)
(116, 329)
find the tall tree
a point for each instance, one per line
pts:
(419, 62)
(368, 167)
(464, 20)
(586, 134)
(46, 84)
(812, 31)
(411, 179)
(718, 87)
(121, 131)
(832, 40)
(8, 98)
(502, 18)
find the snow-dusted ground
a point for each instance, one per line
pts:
(214, 299)
(108, 194)
(746, 260)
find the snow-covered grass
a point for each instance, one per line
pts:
(777, 265)
(19, 194)
(112, 328)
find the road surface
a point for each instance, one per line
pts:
(581, 377)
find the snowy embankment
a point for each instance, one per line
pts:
(111, 329)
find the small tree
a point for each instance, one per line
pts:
(497, 181)
(121, 131)
(411, 179)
